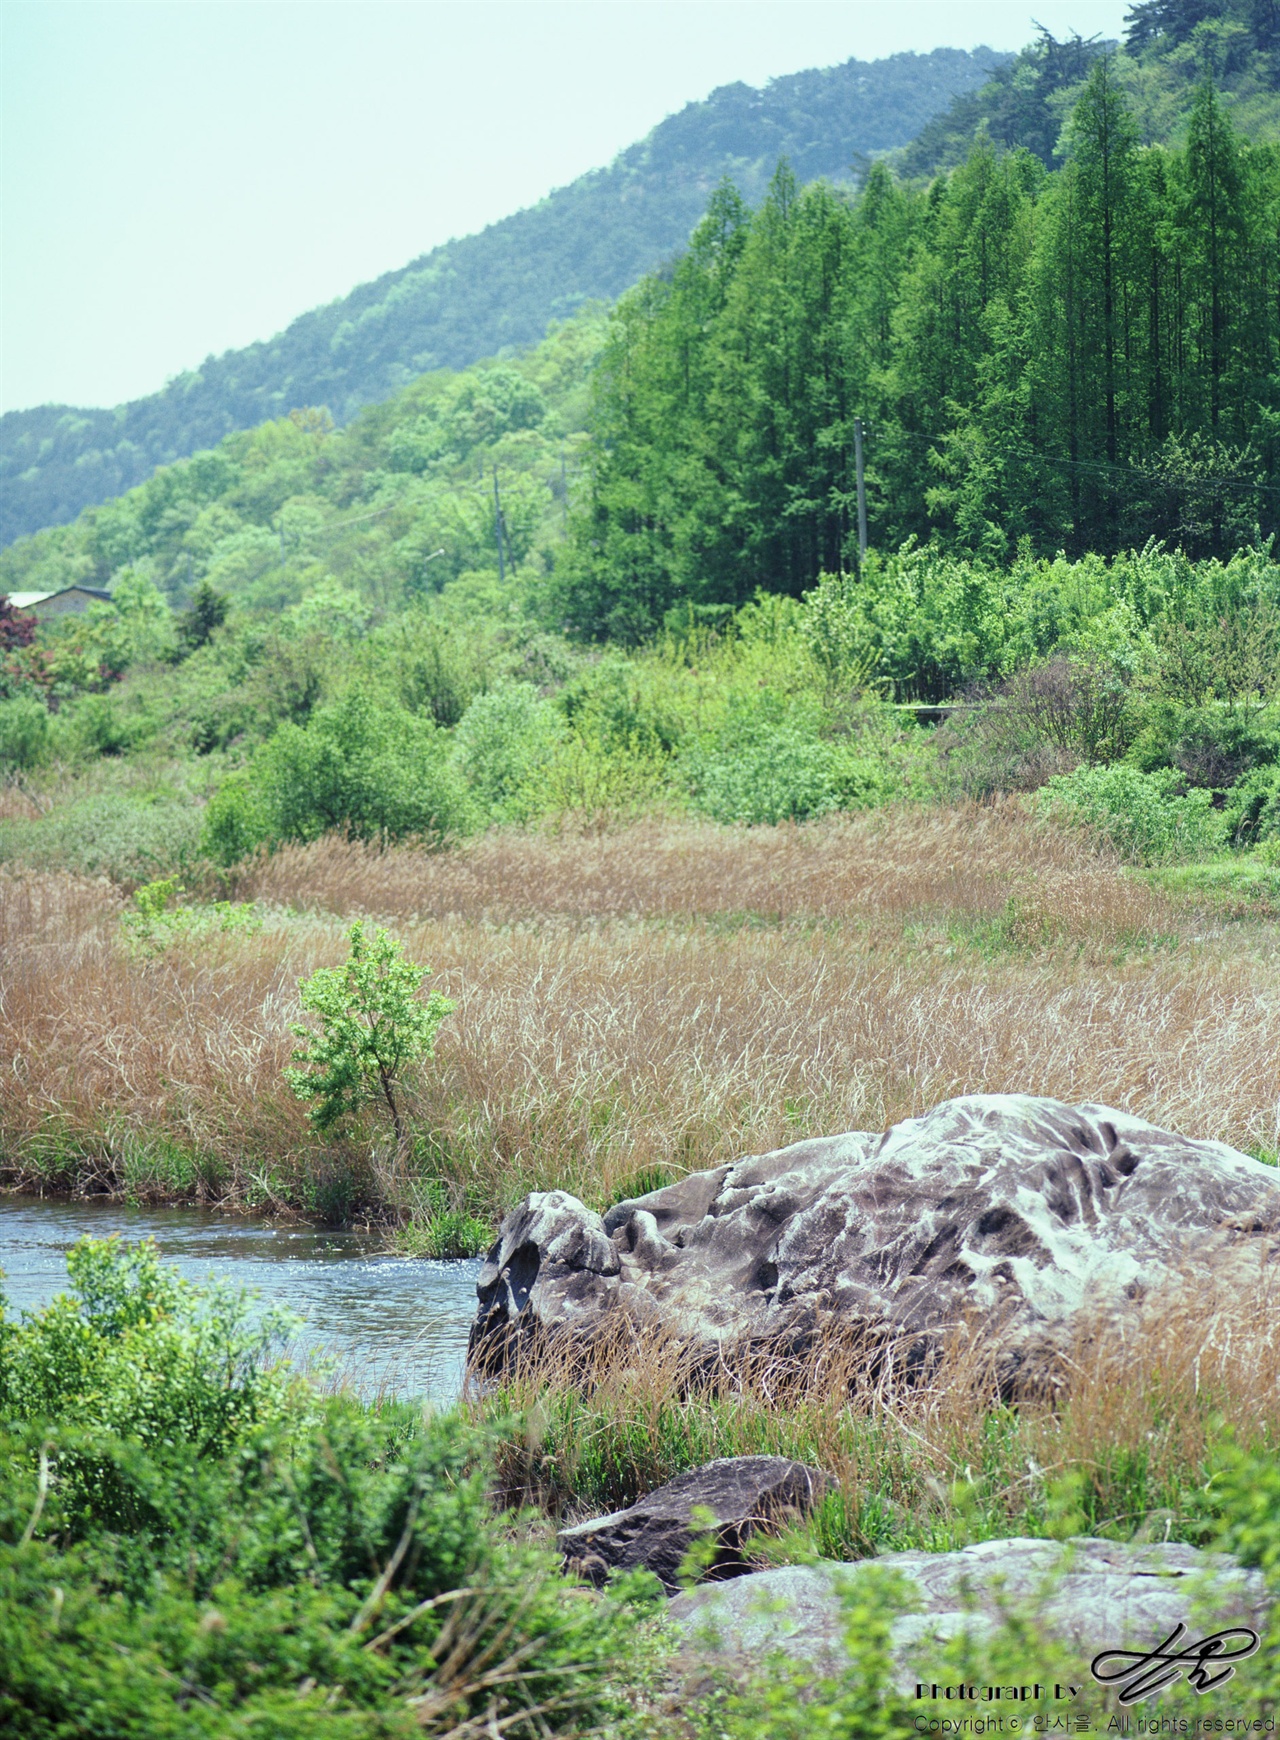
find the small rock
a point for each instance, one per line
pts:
(743, 1494)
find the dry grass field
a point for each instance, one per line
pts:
(629, 1006)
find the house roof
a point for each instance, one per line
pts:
(28, 600)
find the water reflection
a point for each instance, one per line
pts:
(390, 1323)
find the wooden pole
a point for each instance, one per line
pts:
(862, 489)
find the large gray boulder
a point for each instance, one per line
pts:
(737, 1496)
(1086, 1595)
(1000, 1212)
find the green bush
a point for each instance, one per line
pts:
(127, 837)
(237, 820)
(102, 725)
(135, 1352)
(196, 1544)
(24, 734)
(503, 743)
(373, 772)
(1144, 816)
(154, 920)
(1211, 746)
(767, 765)
(1252, 809)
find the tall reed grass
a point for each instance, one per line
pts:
(1123, 1441)
(629, 1007)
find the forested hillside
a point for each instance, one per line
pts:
(1081, 359)
(400, 502)
(485, 293)
(1170, 46)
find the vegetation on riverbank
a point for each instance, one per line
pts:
(193, 1542)
(196, 1542)
(1121, 1441)
(630, 1006)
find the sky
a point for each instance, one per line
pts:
(179, 177)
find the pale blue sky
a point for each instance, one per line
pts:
(181, 176)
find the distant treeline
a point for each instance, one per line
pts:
(1080, 359)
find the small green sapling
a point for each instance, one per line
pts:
(374, 1029)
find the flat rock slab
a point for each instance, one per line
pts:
(1088, 1595)
(1015, 1216)
(743, 1494)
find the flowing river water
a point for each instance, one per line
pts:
(387, 1323)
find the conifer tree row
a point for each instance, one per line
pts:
(1081, 359)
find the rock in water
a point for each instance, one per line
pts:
(998, 1212)
(742, 1494)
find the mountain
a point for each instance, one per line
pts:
(1170, 47)
(490, 292)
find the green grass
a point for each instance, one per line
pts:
(1246, 885)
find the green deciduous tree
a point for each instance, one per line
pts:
(374, 1032)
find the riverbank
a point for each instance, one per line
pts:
(629, 1007)
(195, 1541)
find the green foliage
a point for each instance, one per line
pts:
(154, 922)
(445, 1233)
(1033, 363)
(1252, 809)
(129, 836)
(136, 1356)
(195, 1543)
(764, 766)
(1140, 814)
(374, 1031)
(372, 772)
(1169, 46)
(204, 616)
(502, 747)
(236, 821)
(24, 734)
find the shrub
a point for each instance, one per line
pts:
(24, 734)
(503, 745)
(1252, 809)
(236, 821)
(194, 1543)
(136, 1354)
(1212, 746)
(116, 834)
(596, 780)
(102, 725)
(1078, 705)
(1142, 815)
(768, 765)
(153, 921)
(372, 772)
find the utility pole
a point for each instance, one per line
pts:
(862, 491)
(497, 525)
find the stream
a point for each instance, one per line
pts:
(388, 1324)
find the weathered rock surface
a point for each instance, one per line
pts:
(742, 1493)
(1089, 1595)
(1000, 1210)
